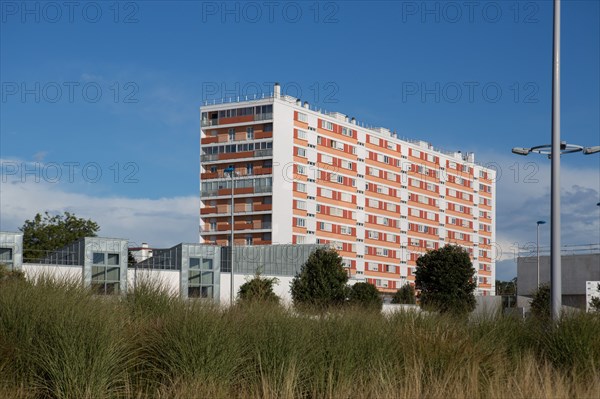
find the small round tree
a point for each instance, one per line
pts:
(405, 295)
(321, 282)
(446, 277)
(258, 290)
(365, 295)
(540, 304)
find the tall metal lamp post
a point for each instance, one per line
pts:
(554, 150)
(231, 171)
(538, 251)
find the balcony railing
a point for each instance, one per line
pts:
(255, 117)
(223, 228)
(236, 155)
(263, 117)
(242, 173)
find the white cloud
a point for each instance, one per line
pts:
(522, 199)
(160, 222)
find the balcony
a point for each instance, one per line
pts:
(263, 117)
(209, 140)
(263, 135)
(209, 122)
(208, 210)
(239, 227)
(259, 171)
(268, 152)
(237, 119)
(240, 209)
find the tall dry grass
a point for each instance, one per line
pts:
(60, 341)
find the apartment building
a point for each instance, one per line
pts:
(304, 176)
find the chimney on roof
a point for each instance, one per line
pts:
(353, 121)
(346, 118)
(305, 104)
(276, 90)
(299, 102)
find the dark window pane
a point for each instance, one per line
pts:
(98, 258)
(194, 263)
(5, 254)
(207, 264)
(113, 259)
(193, 292)
(98, 273)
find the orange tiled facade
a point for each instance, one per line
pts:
(303, 176)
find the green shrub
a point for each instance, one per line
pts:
(258, 289)
(405, 295)
(540, 305)
(321, 283)
(365, 295)
(446, 278)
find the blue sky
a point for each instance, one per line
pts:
(115, 88)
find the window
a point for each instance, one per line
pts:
(326, 159)
(301, 169)
(106, 273)
(346, 164)
(345, 230)
(300, 222)
(326, 193)
(301, 187)
(249, 240)
(374, 235)
(231, 134)
(301, 205)
(346, 198)
(346, 132)
(301, 152)
(6, 255)
(301, 134)
(200, 278)
(249, 133)
(302, 117)
(327, 125)
(325, 226)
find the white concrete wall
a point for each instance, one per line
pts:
(281, 288)
(169, 280)
(58, 272)
(283, 172)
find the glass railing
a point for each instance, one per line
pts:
(263, 117)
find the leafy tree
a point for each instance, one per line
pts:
(51, 232)
(130, 259)
(365, 295)
(540, 305)
(321, 282)
(258, 289)
(446, 279)
(405, 294)
(595, 302)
